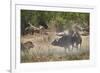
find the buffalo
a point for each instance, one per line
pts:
(71, 40)
(76, 39)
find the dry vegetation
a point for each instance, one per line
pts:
(52, 21)
(43, 50)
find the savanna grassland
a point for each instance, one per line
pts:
(44, 51)
(53, 22)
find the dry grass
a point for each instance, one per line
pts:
(44, 51)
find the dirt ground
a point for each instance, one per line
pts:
(44, 51)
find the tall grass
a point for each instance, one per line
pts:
(43, 50)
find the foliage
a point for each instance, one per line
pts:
(61, 20)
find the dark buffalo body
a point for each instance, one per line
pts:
(65, 41)
(68, 40)
(76, 38)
